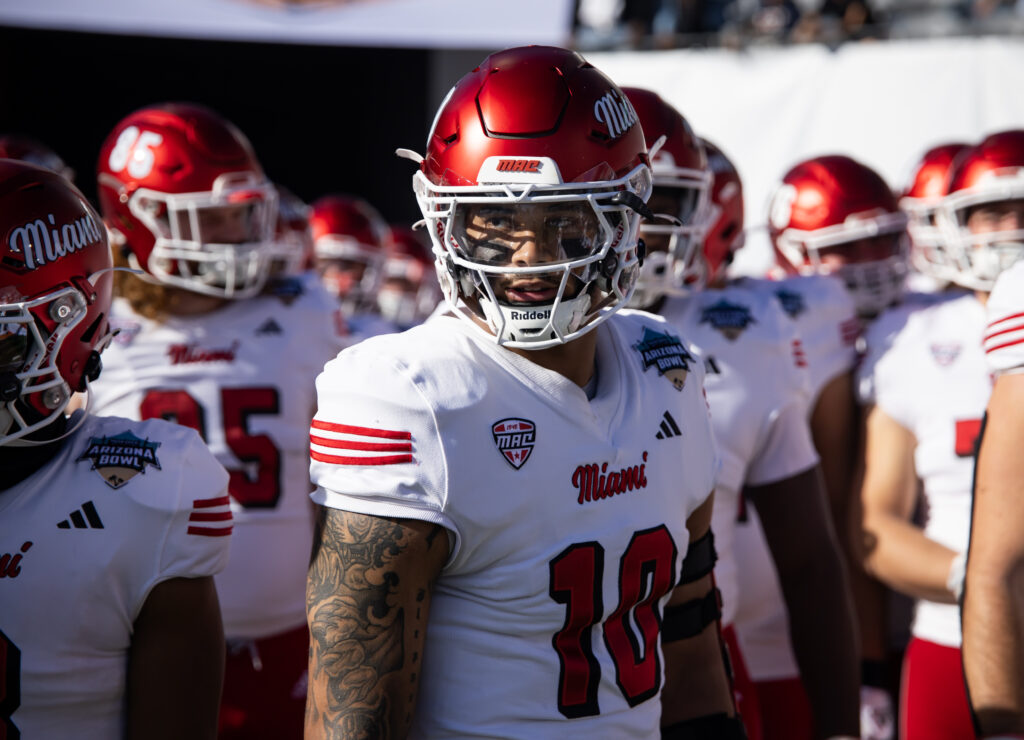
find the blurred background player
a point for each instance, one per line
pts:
(29, 149)
(349, 239)
(926, 187)
(993, 599)
(930, 385)
(756, 389)
(111, 530)
(810, 208)
(204, 344)
(409, 291)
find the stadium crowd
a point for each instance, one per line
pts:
(538, 465)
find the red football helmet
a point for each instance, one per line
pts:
(409, 291)
(535, 147)
(984, 179)
(348, 240)
(27, 149)
(292, 251)
(726, 234)
(55, 285)
(835, 215)
(182, 191)
(682, 192)
(920, 200)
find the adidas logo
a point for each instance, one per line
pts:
(668, 427)
(269, 327)
(91, 520)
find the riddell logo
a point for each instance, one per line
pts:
(530, 315)
(519, 165)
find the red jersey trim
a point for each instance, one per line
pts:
(1005, 318)
(994, 334)
(989, 350)
(210, 531)
(365, 431)
(338, 460)
(345, 444)
(224, 516)
(205, 503)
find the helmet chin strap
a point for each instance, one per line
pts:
(537, 323)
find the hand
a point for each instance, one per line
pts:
(877, 718)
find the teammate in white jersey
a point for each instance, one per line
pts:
(931, 385)
(993, 604)
(110, 529)
(349, 239)
(510, 545)
(204, 342)
(757, 391)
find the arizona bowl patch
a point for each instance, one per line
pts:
(730, 319)
(793, 303)
(666, 353)
(120, 458)
(514, 439)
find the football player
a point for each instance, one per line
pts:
(110, 530)
(834, 216)
(993, 603)
(349, 239)
(409, 291)
(203, 343)
(510, 544)
(756, 387)
(926, 187)
(930, 385)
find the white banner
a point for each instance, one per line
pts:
(455, 24)
(881, 103)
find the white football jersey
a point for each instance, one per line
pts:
(567, 515)
(122, 507)
(243, 376)
(826, 320)
(757, 388)
(827, 323)
(930, 376)
(1004, 335)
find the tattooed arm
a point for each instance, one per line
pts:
(367, 601)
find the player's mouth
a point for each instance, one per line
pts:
(531, 292)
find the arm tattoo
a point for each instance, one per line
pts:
(358, 627)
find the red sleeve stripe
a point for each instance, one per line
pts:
(345, 444)
(1018, 327)
(364, 431)
(205, 503)
(223, 516)
(1006, 318)
(337, 460)
(210, 531)
(993, 348)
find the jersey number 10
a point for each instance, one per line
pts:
(646, 574)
